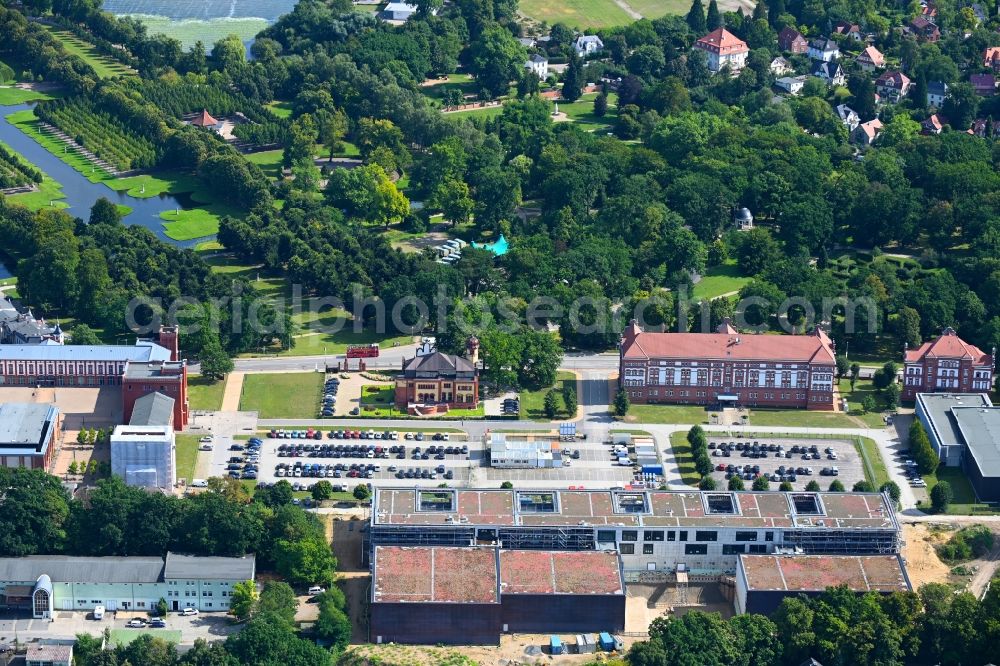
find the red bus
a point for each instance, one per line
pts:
(363, 351)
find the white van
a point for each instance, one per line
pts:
(99, 612)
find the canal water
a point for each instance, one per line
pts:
(80, 194)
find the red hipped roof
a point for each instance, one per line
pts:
(204, 119)
(947, 345)
(722, 41)
(814, 348)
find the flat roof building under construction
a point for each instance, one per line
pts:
(638, 508)
(762, 581)
(652, 530)
(456, 595)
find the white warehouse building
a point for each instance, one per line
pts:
(523, 451)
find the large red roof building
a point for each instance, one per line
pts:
(724, 48)
(728, 368)
(948, 364)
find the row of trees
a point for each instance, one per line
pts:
(837, 627)
(38, 517)
(14, 171)
(93, 271)
(268, 639)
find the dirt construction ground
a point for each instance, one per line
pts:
(922, 563)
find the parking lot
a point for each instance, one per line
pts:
(797, 461)
(67, 624)
(903, 464)
(346, 457)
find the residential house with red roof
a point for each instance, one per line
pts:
(724, 48)
(848, 29)
(985, 85)
(791, 40)
(925, 29)
(871, 59)
(947, 364)
(991, 58)
(728, 368)
(866, 133)
(932, 125)
(892, 86)
(982, 128)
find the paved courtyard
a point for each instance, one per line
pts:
(67, 624)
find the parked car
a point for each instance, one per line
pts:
(316, 589)
(136, 623)
(157, 623)
(189, 610)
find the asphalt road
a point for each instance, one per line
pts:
(392, 358)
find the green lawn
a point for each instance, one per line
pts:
(7, 282)
(10, 95)
(377, 396)
(317, 335)
(269, 161)
(683, 414)
(965, 497)
(104, 66)
(378, 393)
(576, 13)
(49, 193)
(187, 456)
(800, 418)
(653, 9)
(390, 411)
(126, 636)
(205, 394)
(280, 109)
(582, 111)
(719, 280)
(210, 246)
(875, 470)
(282, 396)
(190, 223)
(29, 124)
(685, 461)
(464, 83)
(854, 399)
(533, 402)
(155, 184)
(480, 112)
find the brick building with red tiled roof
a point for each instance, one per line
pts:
(728, 368)
(948, 364)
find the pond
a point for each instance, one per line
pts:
(80, 194)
